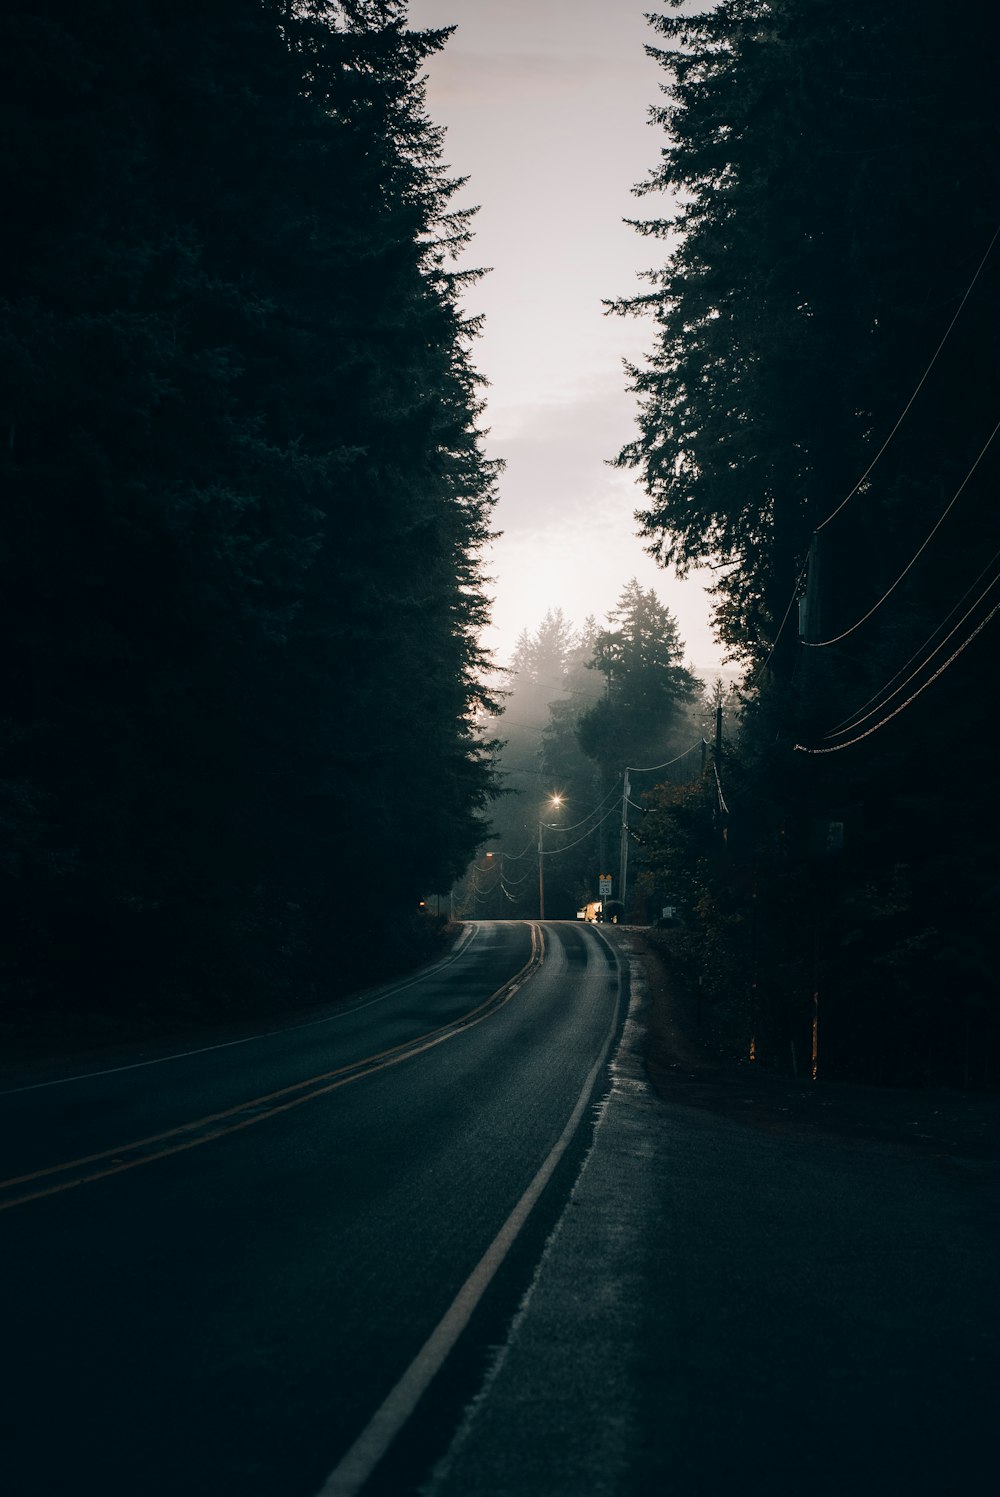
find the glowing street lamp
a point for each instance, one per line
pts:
(553, 804)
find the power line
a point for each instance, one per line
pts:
(875, 459)
(517, 856)
(836, 747)
(819, 644)
(554, 825)
(781, 626)
(919, 386)
(650, 768)
(884, 695)
(718, 785)
(553, 852)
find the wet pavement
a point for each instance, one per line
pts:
(755, 1288)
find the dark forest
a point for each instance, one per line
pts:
(245, 507)
(244, 500)
(816, 422)
(817, 419)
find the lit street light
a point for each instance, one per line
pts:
(554, 802)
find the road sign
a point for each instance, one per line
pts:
(604, 885)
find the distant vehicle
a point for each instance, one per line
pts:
(592, 912)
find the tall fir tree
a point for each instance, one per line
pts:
(245, 498)
(818, 390)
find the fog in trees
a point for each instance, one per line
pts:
(580, 705)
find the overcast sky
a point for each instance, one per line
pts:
(545, 102)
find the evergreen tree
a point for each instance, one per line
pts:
(535, 677)
(244, 494)
(647, 685)
(819, 384)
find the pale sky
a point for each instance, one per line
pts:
(545, 104)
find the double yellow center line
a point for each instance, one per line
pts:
(57, 1178)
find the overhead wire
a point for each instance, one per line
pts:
(818, 644)
(553, 852)
(774, 643)
(554, 825)
(883, 695)
(516, 857)
(866, 474)
(650, 768)
(919, 386)
(835, 748)
(718, 785)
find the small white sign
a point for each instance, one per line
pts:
(604, 885)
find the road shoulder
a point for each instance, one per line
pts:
(687, 1063)
(731, 1276)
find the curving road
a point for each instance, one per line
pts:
(277, 1266)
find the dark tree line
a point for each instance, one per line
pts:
(826, 331)
(243, 498)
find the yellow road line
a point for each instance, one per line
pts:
(339, 1077)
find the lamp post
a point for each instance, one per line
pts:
(553, 804)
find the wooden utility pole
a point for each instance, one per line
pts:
(541, 870)
(809, 603)
(623, 857)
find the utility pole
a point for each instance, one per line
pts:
(554, 802)
(541, 871)
(809, 603)
(623, 859)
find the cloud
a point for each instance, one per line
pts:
(558, 450)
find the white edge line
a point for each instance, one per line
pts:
(352, 1471)
(464, 941)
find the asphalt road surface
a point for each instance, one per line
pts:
(755, 1293)
(277, 1266)
(451, 1243)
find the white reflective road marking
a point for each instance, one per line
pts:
(353, 1470)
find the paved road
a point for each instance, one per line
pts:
(742, 1303)
(238, 1270)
